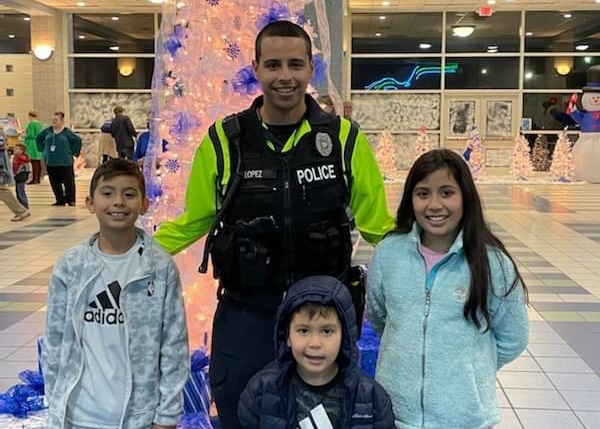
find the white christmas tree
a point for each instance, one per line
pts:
(541, 154)
(520, 164)
(386, 155)
(562, 168)
(422, 144)
(474, 153)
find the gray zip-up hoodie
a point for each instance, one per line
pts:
(155, 324)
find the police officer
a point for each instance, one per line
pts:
(285, 183)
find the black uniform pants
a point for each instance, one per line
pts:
(62, 181)
(242, 344)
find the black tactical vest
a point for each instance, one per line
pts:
(290, 216)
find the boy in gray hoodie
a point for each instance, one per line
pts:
(115, 346)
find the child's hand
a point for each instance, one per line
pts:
(155, 426)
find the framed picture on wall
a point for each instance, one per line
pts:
(498, 119)
(461, 114)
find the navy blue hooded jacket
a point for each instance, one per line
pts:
(268, 401)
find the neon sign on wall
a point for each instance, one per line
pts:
(390, 83)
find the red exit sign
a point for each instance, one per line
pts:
(485, 11)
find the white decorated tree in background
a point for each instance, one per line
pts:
(386, 155)
(562, 168)
(422, 145)
(541, 154)
(473, 153)
(520, 164)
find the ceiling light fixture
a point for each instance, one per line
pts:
(382, 17)
(528, 75)
(582, 47)
(114, 18)
(377, 34)
(156, 1)
(529, 33)
(42, 52)
(11, 36)
(387, 3)
(462, 30)
(491, 2)
(27, 18)
(483, 71)
(114, 48)
(81, 36)
(180, 4)
(587, 60)
(81, 4)
(424, 45)
(568, 15)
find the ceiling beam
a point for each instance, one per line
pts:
(29, 7)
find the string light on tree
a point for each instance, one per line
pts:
(385, 154)
(520, 164)
(562, 168)
(422, 145)
(541, 154)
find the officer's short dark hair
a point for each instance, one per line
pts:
(118, 167)
(282, 29)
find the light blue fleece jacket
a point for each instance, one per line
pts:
(156, 333)
(439, 370)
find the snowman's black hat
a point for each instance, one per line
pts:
(593, 79)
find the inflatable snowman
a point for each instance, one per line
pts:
(586, 152)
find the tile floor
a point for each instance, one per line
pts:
(553, 231)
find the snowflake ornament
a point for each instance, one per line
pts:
(213, 2)
(233, 50)
(172, 165)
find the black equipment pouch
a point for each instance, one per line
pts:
(253, 257)
(356, 282)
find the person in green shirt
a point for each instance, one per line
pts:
(59, 145)
(34, 127)
(278, 188)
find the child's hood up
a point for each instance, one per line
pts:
(322, 290)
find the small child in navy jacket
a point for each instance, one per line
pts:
(315, 382)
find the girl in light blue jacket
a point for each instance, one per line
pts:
(448, 300)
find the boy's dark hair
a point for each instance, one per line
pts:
(477, 235)
(282, 29)
(21, 146)
(117, 167)
(59, 113)
(313, 309)
(118, 110)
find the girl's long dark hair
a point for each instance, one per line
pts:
(476, 233)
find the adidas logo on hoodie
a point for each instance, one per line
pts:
(106, 308)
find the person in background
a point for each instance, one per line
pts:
(22, 171)
(124, 133)
(108, 146)
(448, 300)
(326, 103)
(142, 146)
(6, 181)
(33, 128)
(59, 145)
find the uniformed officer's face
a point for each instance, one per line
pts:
(284, 70)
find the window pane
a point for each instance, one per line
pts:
(132, 33)
(543, 72)
(15, 34)
(398, 32)
(547, 111)
(551, 31)
(483, 73)
(396, 73)
(501, 30)
(112, 73)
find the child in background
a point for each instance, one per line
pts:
(448, 300)
(6, 180)
(22, 170)
(315, 380)
(115, 346)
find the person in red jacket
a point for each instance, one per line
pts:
(22, 170)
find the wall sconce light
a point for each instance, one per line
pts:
(42, 52)
(462, 30)
(563, 66)
(126, 66)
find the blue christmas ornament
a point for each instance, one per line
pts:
(276, 12)
(245, 82)
(301, 18)
(153, 190)
(174, 41)
(199, 360)
(320, 70)
(233, 50)
(183, 122)
(178, 89)
(172, 165)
